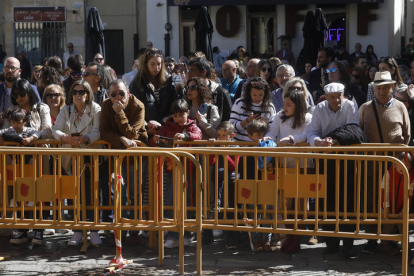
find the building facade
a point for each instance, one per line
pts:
(256, 25)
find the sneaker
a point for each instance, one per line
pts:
(19, 238)
(172, 243)
(313, 240)
(370, 247)
(217, 233)
(76, 239)
(186, 242)
(49, 232)
(38, 238)
(95, 239)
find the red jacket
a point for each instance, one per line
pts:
(396, 200)
(231, 161)
(170, 128)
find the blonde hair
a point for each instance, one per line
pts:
(58, 88)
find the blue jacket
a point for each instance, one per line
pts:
(231, 87)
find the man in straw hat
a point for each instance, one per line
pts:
(383, 120)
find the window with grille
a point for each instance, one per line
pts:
(40, 39)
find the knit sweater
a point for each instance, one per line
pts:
(394, 121)
(240, 113)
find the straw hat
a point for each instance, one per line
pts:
(382, 78)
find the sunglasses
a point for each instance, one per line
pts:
(20, 94)
(258, 85)
(98, 59)
(154, 52)
(74, 74)
(356, 76)
(114, 94)
(53, 96)
(333, 70)
(192, 87)
(264, 69)
(78, 92)
(293, 88)
(86, 74)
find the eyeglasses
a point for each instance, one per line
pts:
(154, 52)
(114, 94)
(78, 92)
(13, 69)
(17, 94)
(292, 88)
(192, 87)
(86, 74)
(258, 85)
(74, 74)
(264, 69)
(98, 59)
(356, 76)
(333, 70)
(287, 76)
(53, 96)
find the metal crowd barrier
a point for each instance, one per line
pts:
(39, 198)
(344, 181)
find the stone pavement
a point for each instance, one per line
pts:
(55, 258)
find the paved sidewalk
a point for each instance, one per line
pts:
(55, 258)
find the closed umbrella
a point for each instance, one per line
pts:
(204, 32)
(95, 42)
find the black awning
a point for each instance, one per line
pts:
(265, 2)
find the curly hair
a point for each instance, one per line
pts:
(247, 97)
(50, 75)
(204, 93)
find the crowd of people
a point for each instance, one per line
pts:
(241, 99)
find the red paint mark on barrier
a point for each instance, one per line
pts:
(245, 193)
(313, 185)
(24, 189)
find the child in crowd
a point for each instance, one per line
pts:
(225, 132)
(393, 183)
(177, 127)
(18, 132)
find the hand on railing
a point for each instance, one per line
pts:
(128, 143)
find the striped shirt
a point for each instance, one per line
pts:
(240, 113)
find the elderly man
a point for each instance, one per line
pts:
(94, 74)
(230, 80)
(11, 73)
(123, 116)
(383, 120)
(329, 115)
(250, 71)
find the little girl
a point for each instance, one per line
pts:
(287, 129)
(18, 132)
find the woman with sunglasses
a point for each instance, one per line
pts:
(338, 72)
(54, 97)
(201, 108)
(77, 125)
(152, 87)
(360, 78)
(255, 103)
(23, 96)
(265, 71)
(47, 76)
(386, 64)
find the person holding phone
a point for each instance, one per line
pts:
(255, 103)
(77, 125)
(202, 110)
